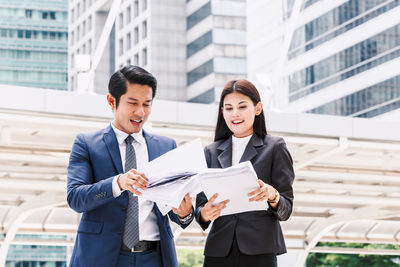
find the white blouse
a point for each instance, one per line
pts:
(238, 147)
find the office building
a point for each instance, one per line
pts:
(216, 47)
(343, 58)
(33, 43)
(150, 34)
(192, 47)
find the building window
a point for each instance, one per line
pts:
(200, 72)
(72, 60)
(359, 104)
(144, 29)
(84, 6)
(72, 15)
(78, 33)
(128, 41)
(136, 8)
(28, 13)
(83, 28)
(144, 57)
(121, 46)
(136, 35)
(136, 59)
(121, 20)
(144, 5)
(90, 23)
(198, 15)
(52, 15)
(90, 46)
(45, 15)
(78, 10)
(28, 34)
(72, 38)
(128, 15)
(199, 44)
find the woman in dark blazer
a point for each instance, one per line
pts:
(250, 238)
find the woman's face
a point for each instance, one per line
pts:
(239, 113)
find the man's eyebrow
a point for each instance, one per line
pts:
(134, 99)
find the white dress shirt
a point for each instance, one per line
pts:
(238, 147)
(148, 227)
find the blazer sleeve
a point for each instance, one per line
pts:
(282, 180)
(201, 198)
(83, 194)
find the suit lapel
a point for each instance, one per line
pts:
(250, 151)
(153, 148)
(113, 149)
(225, 157)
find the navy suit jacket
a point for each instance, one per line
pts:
(94, 161)
(257, 232)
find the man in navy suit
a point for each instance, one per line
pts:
(118, 228)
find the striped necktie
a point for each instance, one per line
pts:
(131, 231)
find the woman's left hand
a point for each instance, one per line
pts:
(264, 193)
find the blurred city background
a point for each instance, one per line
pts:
(328, 72)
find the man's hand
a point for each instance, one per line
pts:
(133, 181)
(185, 208)
(211, 212)
(265, 192)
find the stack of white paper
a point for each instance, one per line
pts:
(232, 183)
(184, 170)
(188, 158)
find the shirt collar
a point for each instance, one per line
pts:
(121, 136)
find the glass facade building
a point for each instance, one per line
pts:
(343, 58)
(37, 255)
(216, 47)
(33, 43)
(372, 52)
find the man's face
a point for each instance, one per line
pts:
(133, 109)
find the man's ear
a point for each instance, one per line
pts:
(259, 108)
(111, 101)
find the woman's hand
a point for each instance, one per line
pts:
(265, 192)
(211, 212)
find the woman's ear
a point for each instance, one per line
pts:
(259, 108)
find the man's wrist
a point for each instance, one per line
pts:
(186, 218)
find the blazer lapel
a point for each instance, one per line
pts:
(225, 158)
(113, 149)
(153, 149)
(250, 151)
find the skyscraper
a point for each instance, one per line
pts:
(216, 47)
(192, 47)
(343, 57)
(33, 43)
(150, 34)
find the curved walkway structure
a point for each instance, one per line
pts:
(347, 170)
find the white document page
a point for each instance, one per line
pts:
(186, 158)
(232, 183)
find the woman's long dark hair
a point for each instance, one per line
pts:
(248, 89)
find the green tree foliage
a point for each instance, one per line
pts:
(354, 260)
(190, 257)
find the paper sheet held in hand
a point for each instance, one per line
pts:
(232, 183)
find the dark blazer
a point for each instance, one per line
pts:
(257, 232)
(95, 160)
